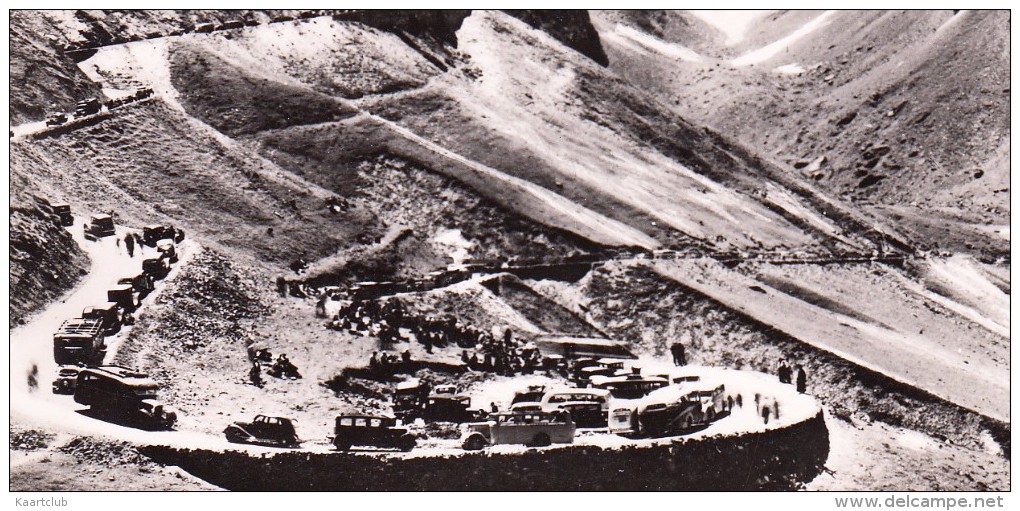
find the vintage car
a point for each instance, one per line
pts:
(674, 410)
(364, 430)
(588, 408)
(528, 399)
(445, 404)
(534, 429)
(264, 430)
(67, 376)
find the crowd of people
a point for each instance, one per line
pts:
(480, 349)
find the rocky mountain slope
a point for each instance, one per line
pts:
(902, 112)
(384, 146)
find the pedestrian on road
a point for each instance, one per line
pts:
(129, 244)
(801, 380)
(785, 373)
(679, 354)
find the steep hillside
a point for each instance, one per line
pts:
(587, 132)
(857, 102)
(150, 163)
(573, 28)
(42, 78)
(45, 262)
(266, 105)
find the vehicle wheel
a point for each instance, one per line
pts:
(474, 443)
(234, 436)
(343, 446)
(541, 440)
(711, 415)
(407, 444)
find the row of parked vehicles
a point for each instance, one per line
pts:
(79, 344)
(627, 404)
(349, 431)
(92, 106)
(248, 20)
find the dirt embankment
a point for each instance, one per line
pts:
(781, 459)
(640, 306)
(442, 222)
(45, 261)
(41, 461)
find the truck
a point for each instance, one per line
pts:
(99, 226)
(110, 313)
(123, 295)
(67, 378)
(533, 429)
(157, 268)
(125, 395)
(56, 119)
(631, 386)
(528, 399)
(410, 399)
(79, 340)
(85, 107)
(61, 213)
(143, 284)
(445, 404)
(167, 250)
(155, 232)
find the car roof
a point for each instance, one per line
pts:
(379, 417)
(576, 391)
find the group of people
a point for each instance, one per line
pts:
(389, 363)
(785, 373)
(506, 355)
(480, 349)
(281, 368)
(369, 317)
(133, 239)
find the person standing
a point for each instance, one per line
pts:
(679, 355)
(801, 380)
(255, 374)
(785, 373)
(129, 244)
